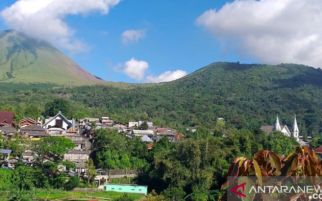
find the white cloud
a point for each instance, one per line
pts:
(167, 76)
(135, 69)
(132, 35)
(272, 31)
(44, 19)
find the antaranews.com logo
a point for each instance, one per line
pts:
(275, 188)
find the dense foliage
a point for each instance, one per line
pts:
(245, 95)
(303, 161)
(190, 168)
(115, 151)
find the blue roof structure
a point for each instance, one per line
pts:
(146, 138)
(5, 151)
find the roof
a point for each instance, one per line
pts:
(6, 118)
(72, 130)
(143, 132)
(32, 128)
(34, 131)
(149, 146)
(29, 120)
(37, 134)
(5, 151)
(267, 128)
(58, 114)
(318, 150)
(166, 131)
(7, 130)
(78, 152)
(146, 138)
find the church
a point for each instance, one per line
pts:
(294, 132)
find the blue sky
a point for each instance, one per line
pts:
(172, 38)
(162, 40)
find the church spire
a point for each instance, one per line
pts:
(296, 130)
(277, 124)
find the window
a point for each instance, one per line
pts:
(59, 123)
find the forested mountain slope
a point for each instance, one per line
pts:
(246, 95)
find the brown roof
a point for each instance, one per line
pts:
(32, 128)
(267, 129)
(7, 130)
(27, 121)
(6, 118)
(318, 150)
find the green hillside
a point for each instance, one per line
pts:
(27, 60)
(245, 95)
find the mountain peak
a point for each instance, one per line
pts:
(24, 59)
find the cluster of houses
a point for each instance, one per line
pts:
(80, 132)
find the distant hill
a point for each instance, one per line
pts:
(246, 95)
(27, 60)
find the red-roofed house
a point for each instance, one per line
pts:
(6, 119)
(318, 150)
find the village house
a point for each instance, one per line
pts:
(168, 133)
(8, 131)
(78, 157)
(27, 122)
(120, 128)
(35, 132)
(140, 133)
(136, 124)
(81, 142)
(146, 139)
(6, 119)
(89, 121)
(28, 156)
(58, 125)
(5, 154)
(107, 122)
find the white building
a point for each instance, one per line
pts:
(58, 124)
(136, 124)
(286, 131)
(140, 133)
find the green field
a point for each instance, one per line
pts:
(59, 195)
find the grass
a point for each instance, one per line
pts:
(60, 195)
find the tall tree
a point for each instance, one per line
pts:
(53, 107)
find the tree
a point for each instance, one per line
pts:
(32, 111)
(316, 141)
(23, 178)
(72, 183)
(144, 126)
(302, 162)
(279, 143)
(53, 107)
(91, 171)
(109, 147)
(52, 148)
(5, 179)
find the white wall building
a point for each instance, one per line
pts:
(286, 131)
